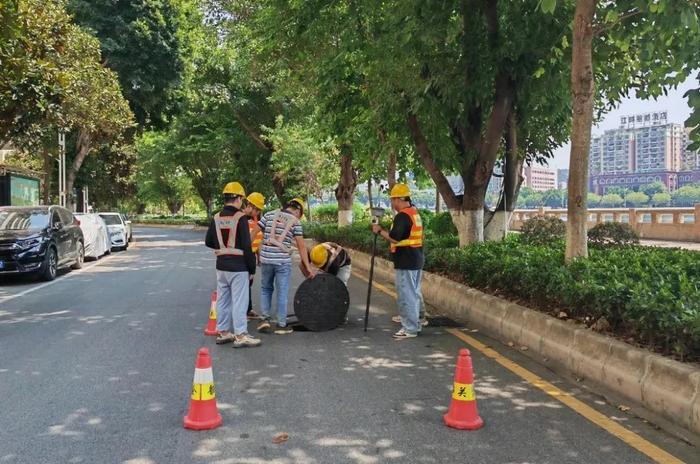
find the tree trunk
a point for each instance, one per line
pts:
(278, 187)
(496, 225)
(369, 193)
(345, 191)
(83, 146)
(48, 169)
(470, 225)
(582, 89)
(437, 201)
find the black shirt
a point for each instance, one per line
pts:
(341, 260)
(231, 263)
(405, 257)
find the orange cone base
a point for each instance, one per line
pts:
(464, 424)
(211, 331)
(203, 415)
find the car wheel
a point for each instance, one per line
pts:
(50, 266)
(81, 256)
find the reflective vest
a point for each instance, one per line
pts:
(415, 239)
(229, 223)
(257, 240)
(286, 221)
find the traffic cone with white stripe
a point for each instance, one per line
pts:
(463, 413)
(203, 413)
(211, 325)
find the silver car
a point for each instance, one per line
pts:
(118, 234)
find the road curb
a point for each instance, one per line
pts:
(667, 389)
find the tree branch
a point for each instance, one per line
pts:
(602, 27)
(259, 141)
(426, 157)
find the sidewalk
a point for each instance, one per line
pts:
(695, 246)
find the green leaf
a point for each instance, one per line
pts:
(548, 6)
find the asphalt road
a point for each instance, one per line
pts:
(97, 368)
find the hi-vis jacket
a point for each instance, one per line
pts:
(415, 239)
(229, 237)
(257, 240)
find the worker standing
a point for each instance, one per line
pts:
(229, 236)
(281, 230)
(333, 259)
(406, 242)
(253, 209)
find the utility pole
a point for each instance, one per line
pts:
(62, 168)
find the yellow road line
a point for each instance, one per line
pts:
(635, 441)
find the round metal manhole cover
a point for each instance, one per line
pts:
(321, 303)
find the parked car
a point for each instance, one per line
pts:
(127, 223)
(94, 229)
(117, 230)
(39, 240)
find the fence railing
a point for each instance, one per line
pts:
(678, 224)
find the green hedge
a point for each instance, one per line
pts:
(649, 294)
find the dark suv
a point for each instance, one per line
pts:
(39, 240)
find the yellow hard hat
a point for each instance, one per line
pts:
(256, 199)
(400, 191)
(234, 188)
(319, 255)
(301, 203)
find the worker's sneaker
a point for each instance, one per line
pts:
(252, 315)
(402, 334)
(264, 326)
(224, 338)
(424, 322)
(283, 330)
(245, 340)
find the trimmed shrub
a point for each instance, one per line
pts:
(650, 294)
(542, 230)
(441, 224)
(328, 214)
(613, 234)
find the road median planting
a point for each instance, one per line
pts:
(668, 390)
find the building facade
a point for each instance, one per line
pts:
(562, 178)
(539, 178)
(645, 148)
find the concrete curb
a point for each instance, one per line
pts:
(668, 389)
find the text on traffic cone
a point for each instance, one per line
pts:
(463, 413)
(203, 413)
(211, 324)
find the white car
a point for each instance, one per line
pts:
(118, 233)
(95, 233)
(127, 223)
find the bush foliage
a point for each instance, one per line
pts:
(649, 294)
(613, 234)
(541, 230)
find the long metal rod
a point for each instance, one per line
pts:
(371, 276)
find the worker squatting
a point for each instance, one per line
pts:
(243, 238)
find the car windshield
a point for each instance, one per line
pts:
(24, 220)
(111, 219)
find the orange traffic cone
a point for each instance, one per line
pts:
(211, 325)
(462, 413)
(203, 413)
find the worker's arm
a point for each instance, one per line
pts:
(211, 239)
(400, 229)
(301, 246)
